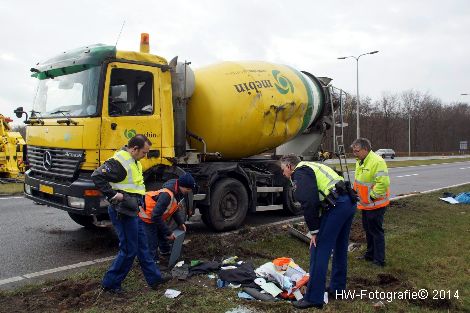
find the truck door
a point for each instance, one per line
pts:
(131, 105)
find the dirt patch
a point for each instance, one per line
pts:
(55, 296)
(214, 247)
(357, 232)
(387, 279)
(382, 282)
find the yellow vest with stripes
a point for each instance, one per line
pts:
(325, 175)
(134, 180)
(372, 181)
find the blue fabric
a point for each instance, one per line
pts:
(187, 180)
(306, 192)
(333, 235)
(372, 222)
(463, 197)
(156, 240)
(132, 243)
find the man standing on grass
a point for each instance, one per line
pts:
(120, 179)
(372, 185)
(329, 206)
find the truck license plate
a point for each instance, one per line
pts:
(46, 189)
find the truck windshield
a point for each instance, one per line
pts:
(72, 95)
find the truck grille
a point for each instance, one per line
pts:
(55, 164)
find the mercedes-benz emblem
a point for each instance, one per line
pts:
(47, 160)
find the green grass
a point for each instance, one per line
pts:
(427, 243)
(11, 188)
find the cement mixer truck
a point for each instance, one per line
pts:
(215, 122)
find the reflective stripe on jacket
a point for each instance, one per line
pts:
(150, 205)
(372, 180)
(134, 180)
(325, 175)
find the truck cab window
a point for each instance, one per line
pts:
(130, 93)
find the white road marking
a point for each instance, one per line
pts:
(408, 175)
(464, 168)
(54, 270)
(7, 198)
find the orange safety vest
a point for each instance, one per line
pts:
(150, 205)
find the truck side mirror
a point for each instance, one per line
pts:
(19, 112)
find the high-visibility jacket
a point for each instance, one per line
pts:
(134, 180)
(372, 180)
(325, 175)
(150, 205)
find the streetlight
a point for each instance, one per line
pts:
(409, 132)
(357, 86)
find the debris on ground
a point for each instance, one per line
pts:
(461, 198)
(172, 293)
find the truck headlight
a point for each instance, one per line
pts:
(75, 202)
(27, 189)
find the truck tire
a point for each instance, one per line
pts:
(291, 206)
(229, 205)
(83, 220)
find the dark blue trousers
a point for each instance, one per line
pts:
(333, 235)
(156, 241)
(132, 243)
(372, 222)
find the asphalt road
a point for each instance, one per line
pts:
(36, 238)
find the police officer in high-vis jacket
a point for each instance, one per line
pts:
(328, 204)
(120, 179)
(372, 185)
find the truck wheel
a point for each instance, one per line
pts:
(291, 206)
(229, 205)
(85, 221)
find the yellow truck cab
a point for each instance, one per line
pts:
(92, 100)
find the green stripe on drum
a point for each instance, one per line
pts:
(309, 111)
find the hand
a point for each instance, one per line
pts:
(182, 227)
(171, 237)
(118, 197)
(313, 241)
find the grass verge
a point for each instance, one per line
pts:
(427, 248)
(11, 188)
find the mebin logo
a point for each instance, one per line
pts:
(129, 133)
(283, 84)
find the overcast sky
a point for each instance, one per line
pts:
(424, 44)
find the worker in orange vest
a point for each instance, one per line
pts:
(372, 184)
(160, 207)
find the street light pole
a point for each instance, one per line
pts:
(358, 131)
(409, 132)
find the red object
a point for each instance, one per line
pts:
(299, 284)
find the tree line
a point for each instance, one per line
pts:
(434, 126)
